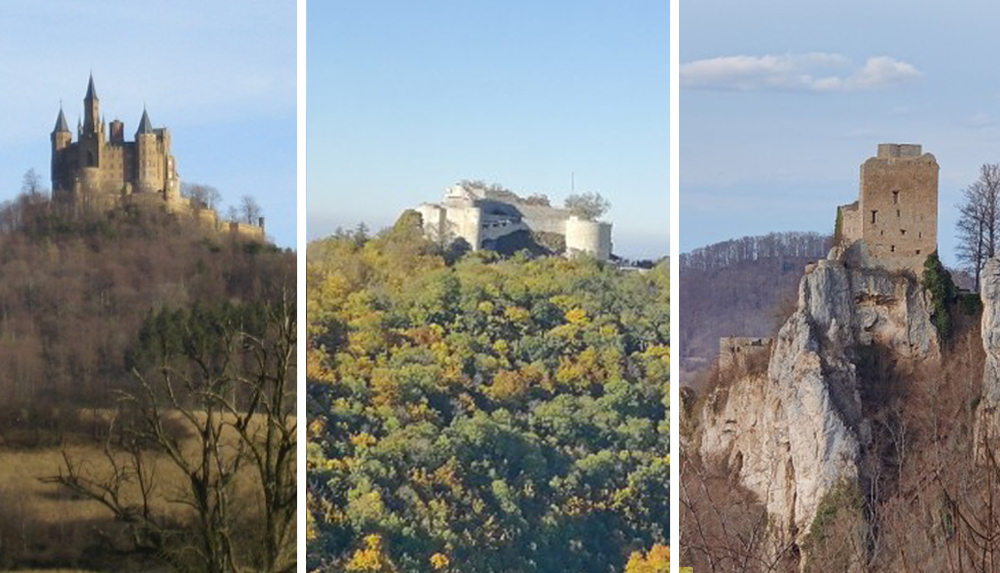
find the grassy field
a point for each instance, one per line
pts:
(44, 524)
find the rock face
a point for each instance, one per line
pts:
(988, 415)
(792, 434)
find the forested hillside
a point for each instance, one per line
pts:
(146, 393)
(483, 414)
(739, 288)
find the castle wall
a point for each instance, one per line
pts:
(544, 219)
(494, 228)
(850, 222)
(744, 353)
(477, 219)
(898, 207)
(590, 237)
(246, 230)
(465, 222)
(434, 222)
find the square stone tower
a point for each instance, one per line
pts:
(896, 212)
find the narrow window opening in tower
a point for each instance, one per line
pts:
(897, 213)
(895, 197)
(920, 234)
(902, 231)
(874, 216)
(918, 251)
(892, 248)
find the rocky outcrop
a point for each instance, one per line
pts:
(988, 414)
(793, 434)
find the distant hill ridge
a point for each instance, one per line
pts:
(735, 288)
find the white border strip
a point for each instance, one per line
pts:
(675, 402)
(300, 233)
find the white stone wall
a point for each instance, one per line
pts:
(462, 215)
(465, 223)
(590, 237)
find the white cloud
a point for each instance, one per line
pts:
(811, 72)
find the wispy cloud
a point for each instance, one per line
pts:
(810, 72)
(979, 120)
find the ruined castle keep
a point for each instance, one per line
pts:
(893, 224)
(483, 217)
(101, 170)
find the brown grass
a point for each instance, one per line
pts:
(46, 525)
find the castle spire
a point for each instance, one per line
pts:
(61, 125)
(91, 91)
(145, 126)
(91, 109)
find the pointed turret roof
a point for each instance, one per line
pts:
(145, 126)
(91, 91)
(61, 125)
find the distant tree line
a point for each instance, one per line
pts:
(772, 245)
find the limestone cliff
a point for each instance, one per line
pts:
(793, 434)
(988, 415)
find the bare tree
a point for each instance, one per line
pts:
(589, 206)
(978, 226)
(249, 209)
(202, 195)
(31, 185)
(226, 377)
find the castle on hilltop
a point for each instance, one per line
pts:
(490, 218)
(101, 170)
(893, 224)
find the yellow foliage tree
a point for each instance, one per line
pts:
(657, 560)
(371, 558)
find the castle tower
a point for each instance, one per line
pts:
(61, 135)
(898, 206)
(61, 138)
(146, 155)
(92, 131)
(91, 109)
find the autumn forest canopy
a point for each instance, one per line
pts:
(469, 412)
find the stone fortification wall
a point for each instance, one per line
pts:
(479, 217)
(893, 224)
(743, 352)
(590, 237)
(898, 206)
(850, 222)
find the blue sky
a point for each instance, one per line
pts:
(221, 79)
(406, 98)
(781, 101)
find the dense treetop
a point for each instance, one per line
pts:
(474, 413)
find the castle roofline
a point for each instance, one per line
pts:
(145, 126)
(91, 90)
(61, 125)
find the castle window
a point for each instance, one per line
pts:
(895, 197)
(874, 216)
(918, 251)
(897, 213)
(892, 248)
(902, 231)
